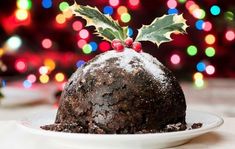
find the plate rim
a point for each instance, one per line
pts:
(83, 136)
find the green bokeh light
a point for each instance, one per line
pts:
(228, 15)
(203, 14)
(24, 4)
(125, 17)
(210, 52)
(192, 50)
(63, 6)
(181, 1)
(87, 49)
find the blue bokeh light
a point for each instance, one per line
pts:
(199, 24)
(80, 63)
(94, 46)
(27, 84)
(173, 11)
(130, 32)
(201, 66)
(108, 10)
(46, 3)
(4, 83)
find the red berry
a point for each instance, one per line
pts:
(128, 42)
(119, 47)
(114, 42)
(137, 46)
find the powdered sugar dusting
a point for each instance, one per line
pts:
(146, 61)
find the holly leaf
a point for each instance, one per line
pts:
(105, 26)
(160, 29)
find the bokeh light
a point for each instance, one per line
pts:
(94, 46)
(1, 52)
(171, 4)
(199, 13)
(215, 10)
(134, 2)
(199, 83)
(175, 59)
(46, 43)
(27, 84)
(121, 10)
(192, 50)
(104, 46)
(46, 4)
(21, 14)
(173, 11)
(108, 10)
(84, 34)
(44, 79)
(68, 13)
(210, 52)
(230, 35)
(114, 3)
(130, 32)
(43, 70)
(50, 64)
(125, 17)
(197, 76)
(59, 77)
(210, 70)
(207, 26)
(24, 4)
(87, 49)
(181, 1)
(77, 25)
(31, 78)
(201, 66)
(210, 39)
(199, 24)
(80, 63)
(60, 19)
(14, 42)
(229, 15)
(63, 6)
(81, 43)
(20, 66)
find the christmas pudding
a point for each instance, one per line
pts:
(125, 90)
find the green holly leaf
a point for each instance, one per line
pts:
(105, 26)
(160, 29)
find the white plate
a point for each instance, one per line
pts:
(135, 141)
(14, 96)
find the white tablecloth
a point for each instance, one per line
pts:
(12, 137)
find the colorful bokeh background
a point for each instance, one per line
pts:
(41, 41)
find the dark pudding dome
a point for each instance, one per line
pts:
(120, 93)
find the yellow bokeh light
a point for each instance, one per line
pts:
(1, 52)
(60, 18)
(59, 77)
(21, 14)
(197, 76)
(210, 39)
(44, 79)
(121, 10)
(68, 13)
(50, 64)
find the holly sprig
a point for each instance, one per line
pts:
(158, 32)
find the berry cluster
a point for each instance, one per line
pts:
(119, 46)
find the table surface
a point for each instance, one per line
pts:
(217, 97)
